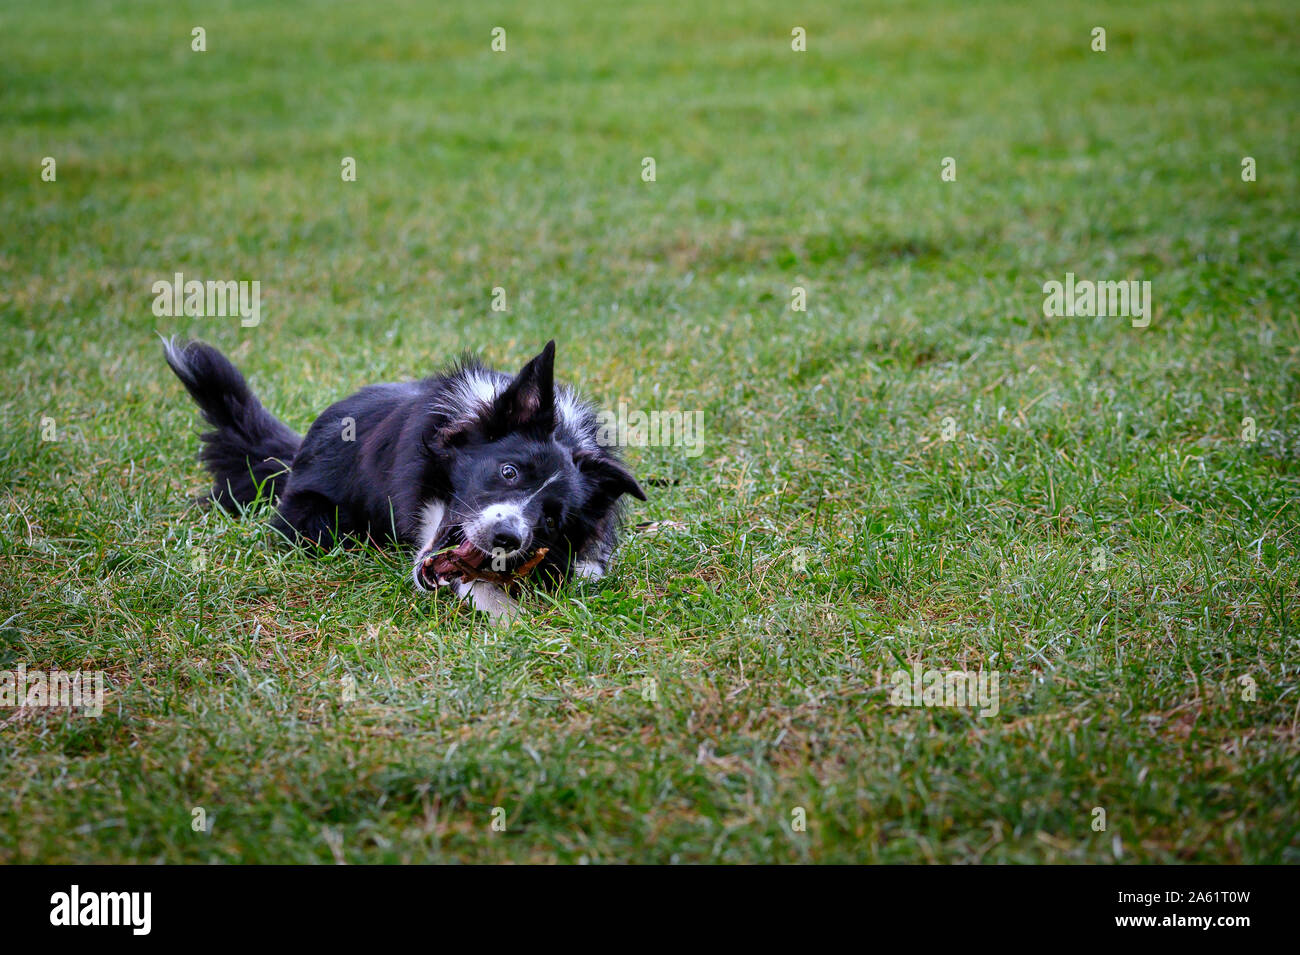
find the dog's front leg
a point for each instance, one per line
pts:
(596, 551)
(588, 569)
(488, 598)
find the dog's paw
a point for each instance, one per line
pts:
(488, 598)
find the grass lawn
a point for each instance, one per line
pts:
(1092, 523)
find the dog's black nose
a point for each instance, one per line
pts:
(506, 540)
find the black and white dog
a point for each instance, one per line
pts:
(471, 459)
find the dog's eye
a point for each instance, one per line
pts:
(508, 472)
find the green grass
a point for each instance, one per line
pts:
(1119, 688)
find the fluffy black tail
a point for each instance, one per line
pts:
(250, 449)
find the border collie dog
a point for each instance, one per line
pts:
(472, 459)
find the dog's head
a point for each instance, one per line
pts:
(511, 485)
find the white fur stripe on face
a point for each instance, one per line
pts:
(550, 480)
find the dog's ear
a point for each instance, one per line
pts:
(610, 476)
(437, 442)
(440, 440)
(528, 403)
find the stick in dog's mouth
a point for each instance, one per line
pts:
(440, 568)
(465, 562)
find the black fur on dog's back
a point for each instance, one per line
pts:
(250, 450)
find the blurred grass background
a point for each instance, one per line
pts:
(774, 169)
